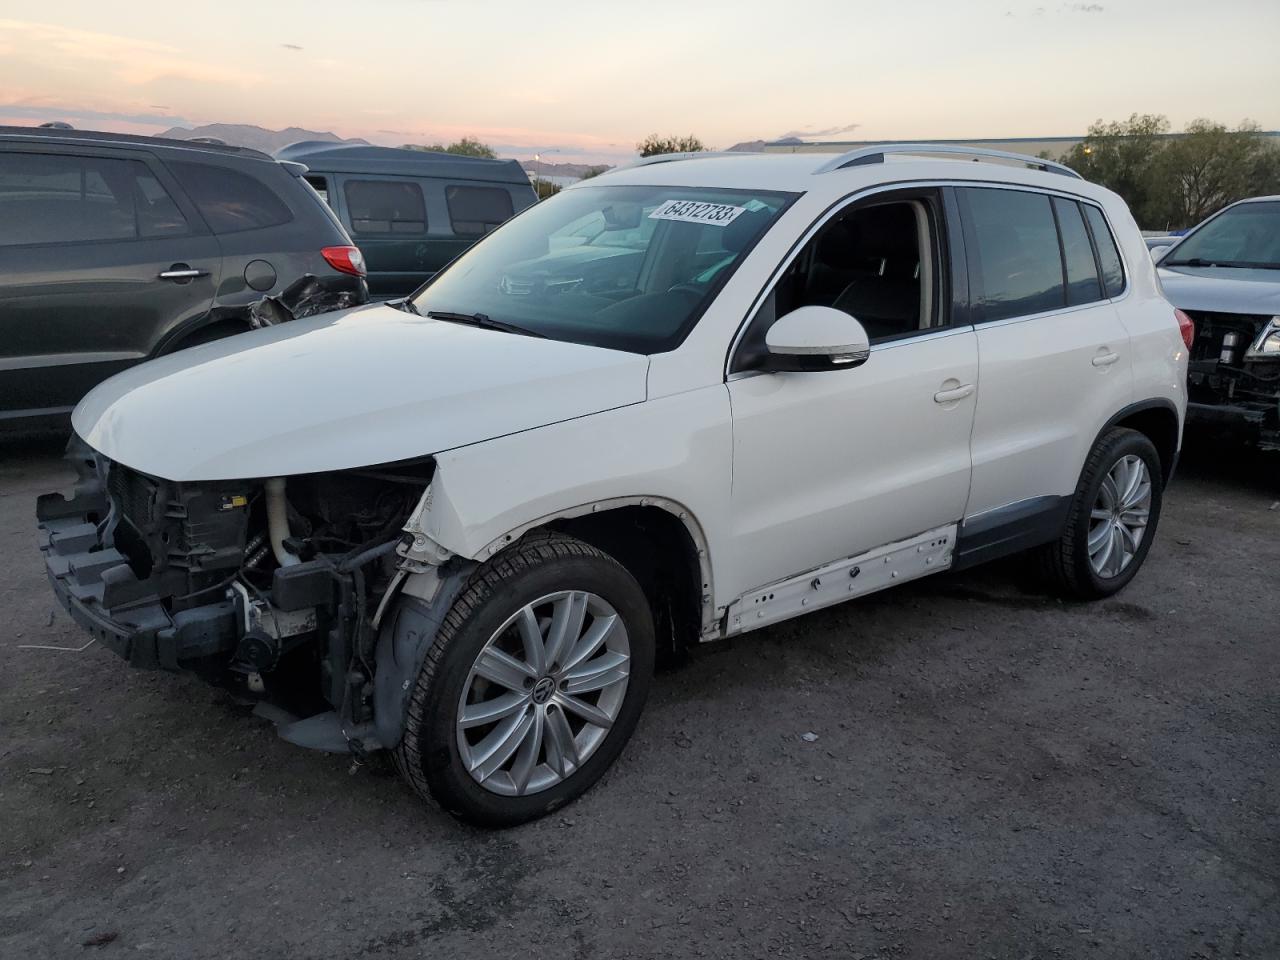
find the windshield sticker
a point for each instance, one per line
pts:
(695, 211)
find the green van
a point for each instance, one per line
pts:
(410, 211)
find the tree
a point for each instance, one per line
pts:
(653, 145)
(545, 188)
(1170, 182)
(1210, 166)
(593, 172)
(1121, 156)
(466, 147)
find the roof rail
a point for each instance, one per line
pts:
(670, 157)
(876, 154)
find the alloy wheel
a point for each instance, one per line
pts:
(1118, 521)
(543, 693)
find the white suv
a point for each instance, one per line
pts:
(674, 403)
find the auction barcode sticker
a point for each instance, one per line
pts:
(695, 211)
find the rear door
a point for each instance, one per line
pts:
(270, 227)
(1055, 359)
(99, 254)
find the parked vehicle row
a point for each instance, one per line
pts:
(675, 403)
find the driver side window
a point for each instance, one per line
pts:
(878, 260)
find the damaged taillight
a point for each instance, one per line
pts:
(1186, 327)
(345, 260)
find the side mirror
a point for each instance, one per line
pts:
(1158, 252)
(816, 338)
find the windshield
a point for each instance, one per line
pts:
(626, 267)
(1244, 236)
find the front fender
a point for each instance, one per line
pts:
(674, 453)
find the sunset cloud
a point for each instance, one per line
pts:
(132, 62)
(590, 79)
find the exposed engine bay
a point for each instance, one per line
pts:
(270, 587)
(1234, 373)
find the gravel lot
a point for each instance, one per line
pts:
(996, 774)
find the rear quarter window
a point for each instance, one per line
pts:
(477, 210)
(1108, 255)
(230, 201)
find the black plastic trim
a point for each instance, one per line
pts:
(1010, 529)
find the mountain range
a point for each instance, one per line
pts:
(257, 138)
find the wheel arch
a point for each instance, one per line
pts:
(658, 540)
(1157, 420)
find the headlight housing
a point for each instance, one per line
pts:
(1267, 345)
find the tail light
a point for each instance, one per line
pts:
(345, 260)
(1186, 327)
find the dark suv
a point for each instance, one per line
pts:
(115, 249)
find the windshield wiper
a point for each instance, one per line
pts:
(484, 322)
(1230, 264)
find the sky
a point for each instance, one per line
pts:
(583, 82)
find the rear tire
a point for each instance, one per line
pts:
(517, 613)
(1119, 494)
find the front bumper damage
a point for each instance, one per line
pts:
(180, 577)
(95, 584)
(1231, 386)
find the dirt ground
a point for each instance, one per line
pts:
(995, 774)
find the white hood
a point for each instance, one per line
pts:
(347, 389)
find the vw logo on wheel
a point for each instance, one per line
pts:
(543, 689)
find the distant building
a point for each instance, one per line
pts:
(1055, 147)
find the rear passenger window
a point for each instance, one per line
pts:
(230, 201)
(1077, 254)
(1012, 245)
(1108, 255)
(477, 210)
(385, 206)
(59, 199)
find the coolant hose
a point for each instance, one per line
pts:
(278, 521)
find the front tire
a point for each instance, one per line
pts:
(533, 684)
(1111, 521)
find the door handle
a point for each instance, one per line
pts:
(180, 271)
(1105, 359)
(951, 396)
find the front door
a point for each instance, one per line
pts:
(827, 465)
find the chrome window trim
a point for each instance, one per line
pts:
(1044, 314)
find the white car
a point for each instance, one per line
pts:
(678, 402)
